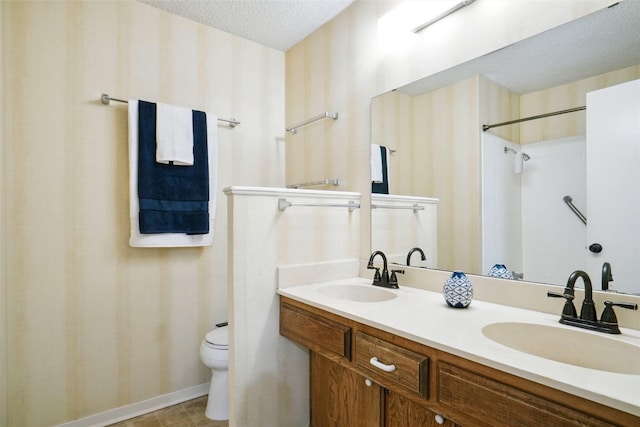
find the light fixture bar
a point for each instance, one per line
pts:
(442, 15)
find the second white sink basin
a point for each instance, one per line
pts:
(358, 293)
(574, 347)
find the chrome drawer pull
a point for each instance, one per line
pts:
(387, 368)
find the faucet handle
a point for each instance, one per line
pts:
(394, 278)
(376, 276)
(609, 316)
(569, 310)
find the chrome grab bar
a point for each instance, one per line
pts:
(569, 201)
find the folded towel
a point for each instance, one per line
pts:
(174, 135)
(383, 187)
(137, 239)
(376, 164)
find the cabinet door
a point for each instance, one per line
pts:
(402, 412)
(341, 398)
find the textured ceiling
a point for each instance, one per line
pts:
(604, 41)
(279, 24)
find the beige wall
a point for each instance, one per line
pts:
(564, 97)
(3, 244)
(94, 324)
(449, 169)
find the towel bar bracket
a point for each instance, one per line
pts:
(106, 99)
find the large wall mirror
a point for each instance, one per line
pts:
(503, 192)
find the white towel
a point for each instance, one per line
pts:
(376, 164)
(174, 135)
(166, 240)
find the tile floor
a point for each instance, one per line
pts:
(186, 414)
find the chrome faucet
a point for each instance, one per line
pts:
(588, 318)
(383, 279)
(422, 257)
(607, 276)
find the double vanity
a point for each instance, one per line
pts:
(400, 357)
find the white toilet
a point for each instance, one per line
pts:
(214, 353)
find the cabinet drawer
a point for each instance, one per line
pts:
(399, 366)
(499, 404)
(315, 332)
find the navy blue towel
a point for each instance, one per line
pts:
(173, 199)
(382, 187)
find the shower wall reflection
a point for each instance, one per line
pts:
(526, 224)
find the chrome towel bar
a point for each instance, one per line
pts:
(309, 184)
(326, 114)
(415, 207)
(283, 204)
(106, 100)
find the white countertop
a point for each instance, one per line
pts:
(424, 317)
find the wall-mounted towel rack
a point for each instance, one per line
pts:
(312, 183)
(569, 201)
(106, 100)
(415, 207)
(284, 204)
(326, 114)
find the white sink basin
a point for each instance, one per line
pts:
(574, 347)
(358, 293)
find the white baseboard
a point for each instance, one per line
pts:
(140, 408)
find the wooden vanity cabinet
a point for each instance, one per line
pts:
(425, 382)
(339, 396)
(346, 393)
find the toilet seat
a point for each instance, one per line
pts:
(218, 338)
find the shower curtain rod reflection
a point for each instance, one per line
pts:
(106, 99)
(540, 116)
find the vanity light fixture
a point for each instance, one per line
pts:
(441, 9)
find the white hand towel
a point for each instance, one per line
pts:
(376, 164)
(174, 135)
(165, 240)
